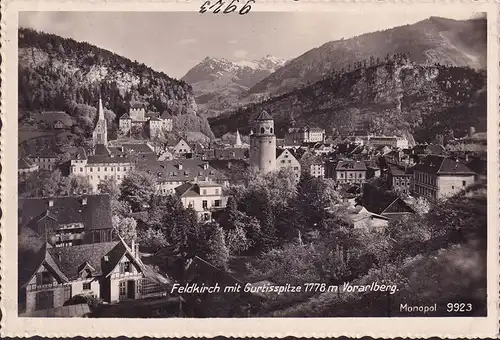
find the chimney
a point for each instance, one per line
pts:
(84, 201)
(51, 203)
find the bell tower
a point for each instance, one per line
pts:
(100, 135)
(263, 143)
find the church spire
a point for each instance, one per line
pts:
(238, 138)
(101, 109)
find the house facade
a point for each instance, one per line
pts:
(100, 167)
(111, 271)
(172, 173)
(45, 159)
(286, 159)
(204, 198)
(68, 220)
(438, 177)
(304, 135)
(400, 179)
(349, 171)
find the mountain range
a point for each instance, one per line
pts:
(218, 84)
(431, 41)
(393, 97)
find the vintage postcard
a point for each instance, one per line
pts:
(249, 168)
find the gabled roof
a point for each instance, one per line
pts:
(183, 189)
(166, 115)
(125, 116)
(383, 202)
(264, 116)
(29, 265)
(95, 214)
(101, 150)
(440, 165)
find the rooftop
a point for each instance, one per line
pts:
(441, 165)
(264, 116)
(91, 210)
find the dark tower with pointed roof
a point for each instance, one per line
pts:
(100, 135)
(263, 143)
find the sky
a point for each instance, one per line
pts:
(174, 42)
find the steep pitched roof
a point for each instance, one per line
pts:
(382, 202)
(95, 214)
(166, 115)
(264, 116)
(101, 150)
(125, 116)
(70, 259)
(440, 165)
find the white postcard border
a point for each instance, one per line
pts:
(12, 325)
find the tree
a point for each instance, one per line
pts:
(78, 185)
(152, 239)
(237, 240)
(137, 188)
(219, 252)
(126, 228)
(109, 186)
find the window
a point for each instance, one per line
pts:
(86, 286)
(350, 175)
(341, 175)
(91, 169)
(453, 187)
(125, 267)
(105, 169)
(217, 203)
(204, 204)
(204, 191)
(98, 169)
(123, 288)
(261, 130)
(81, 169)
(463, 183)
(283, 161)
(216, 191)
(44, 278)
(271, 130)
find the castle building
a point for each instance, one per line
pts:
(100, 135)
(263, 143)
(137, 117)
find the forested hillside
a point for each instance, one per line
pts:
(56, 73)
(395, 96)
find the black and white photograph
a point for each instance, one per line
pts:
(266, 165)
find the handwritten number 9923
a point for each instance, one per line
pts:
(232, 7)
